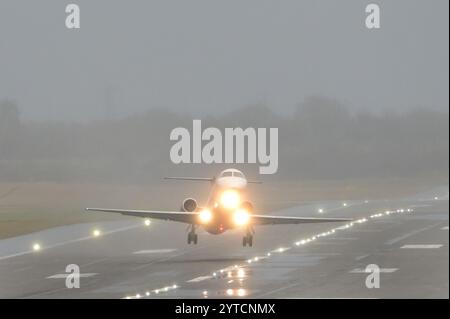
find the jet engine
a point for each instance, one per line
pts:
(189, 205)
(247, 206)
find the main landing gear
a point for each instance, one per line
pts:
(192, 236)
(248, 238)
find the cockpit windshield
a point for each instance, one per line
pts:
(232, 173)
(238, 174)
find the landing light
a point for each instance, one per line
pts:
(241, 217)
(96, 233)
(205, 216)
(230, 199)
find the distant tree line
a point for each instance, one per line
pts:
(322, 139)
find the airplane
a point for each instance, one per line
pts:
(227, 208)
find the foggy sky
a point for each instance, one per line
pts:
(212, 56)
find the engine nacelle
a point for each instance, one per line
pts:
(189, 205)
(247, 206)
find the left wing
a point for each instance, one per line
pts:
(182, 217)
(279, 220)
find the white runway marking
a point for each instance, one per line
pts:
(16, 255)
(414, 232)
(23, 268)
(421, 246)
(201, 278)
(445, 228)
(69, 242)
(154, 251)
(363, 271)
(362, 257)
(64, 276)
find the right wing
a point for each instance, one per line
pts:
(182, 217)
(279, 220)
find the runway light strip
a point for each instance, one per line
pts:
(155, 291)
(241, 292)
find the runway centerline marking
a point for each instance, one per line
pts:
(412, 233)
(434, 246)
(154, 251)
(162, 260)
(362, 257)
(363, 271)
(64, 276)
(201, 278)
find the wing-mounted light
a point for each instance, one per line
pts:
(241, 217)
(205, 216)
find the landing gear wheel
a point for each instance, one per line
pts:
(250, 240)
(247, 240)
(192, 238)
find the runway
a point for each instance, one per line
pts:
(406, 238)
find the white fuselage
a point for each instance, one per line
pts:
(228, 195)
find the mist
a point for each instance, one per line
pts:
(201, 57)
(321, 139)
(98, 103)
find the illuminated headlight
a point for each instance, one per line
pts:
(241, 217)
(230, 199)
(205, 216)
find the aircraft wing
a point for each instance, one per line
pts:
(183, 217)
(279, 220)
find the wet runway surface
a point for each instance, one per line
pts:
(407, 239)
